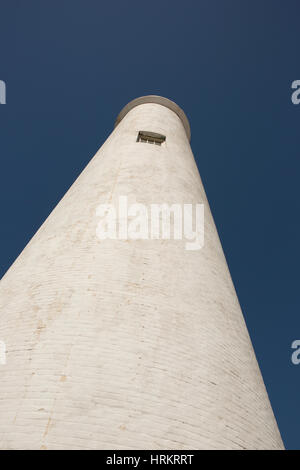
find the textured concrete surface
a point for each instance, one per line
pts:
(121, 344)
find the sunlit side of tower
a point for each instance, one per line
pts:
(129, 344)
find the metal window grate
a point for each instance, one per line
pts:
(151, 138)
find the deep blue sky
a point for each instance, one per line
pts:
(71, 65)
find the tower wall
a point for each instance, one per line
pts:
(128, 344)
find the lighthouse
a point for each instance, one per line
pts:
(115, 341)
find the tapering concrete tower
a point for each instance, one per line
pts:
(125, 343)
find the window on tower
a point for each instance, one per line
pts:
(151, 138)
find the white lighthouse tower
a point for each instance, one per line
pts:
(124, 343)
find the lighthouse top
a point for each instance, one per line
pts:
(157, 100)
